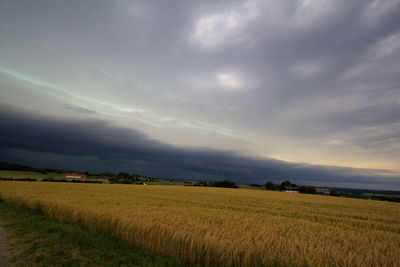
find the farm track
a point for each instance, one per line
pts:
(3, 247)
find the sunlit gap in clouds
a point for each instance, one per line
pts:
(213, 31)
(229, 81)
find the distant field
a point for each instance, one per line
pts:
(226, 227)
(28, 174)
(37, 175)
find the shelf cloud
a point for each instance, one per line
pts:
(110, 143)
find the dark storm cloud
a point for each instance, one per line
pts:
(106, 141)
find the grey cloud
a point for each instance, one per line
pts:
(303, 73)
(79, 109)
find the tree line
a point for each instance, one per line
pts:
(224, 183)
(126, 178)
(285, 184)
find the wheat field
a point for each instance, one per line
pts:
(226, 227)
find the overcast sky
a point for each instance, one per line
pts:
(246, 90)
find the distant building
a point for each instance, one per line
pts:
(73, 175)
(291, 189)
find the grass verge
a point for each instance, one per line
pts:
(39, 241)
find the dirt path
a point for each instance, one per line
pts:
(3, 248)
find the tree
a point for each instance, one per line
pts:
(203, 183)
(307, 190)
(270, 185)
(285, 184)
(334, 193)
(224, 183)
(123, 175)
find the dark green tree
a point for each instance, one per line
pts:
(270, 185)
(285, 184)
(334, 193)
(224, 183)
(307, 190)
(123, 175)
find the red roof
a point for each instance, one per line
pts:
(73, 174)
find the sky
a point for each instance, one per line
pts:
(205, 90)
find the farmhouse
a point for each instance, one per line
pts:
(291, 189)
(73, 175)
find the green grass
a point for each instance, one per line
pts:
(28, 174)
(252, 187)
(163, 182)
(39, 241)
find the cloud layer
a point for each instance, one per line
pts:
(313, 82)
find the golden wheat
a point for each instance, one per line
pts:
(226, 227)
